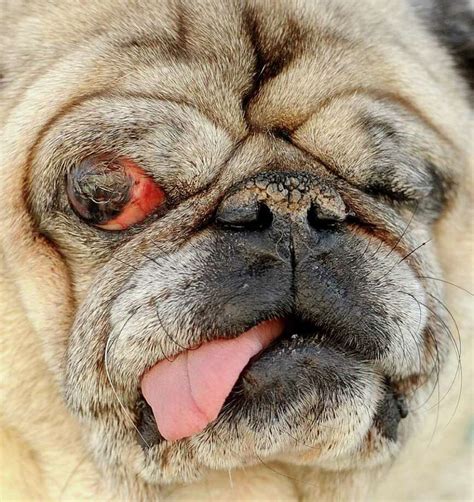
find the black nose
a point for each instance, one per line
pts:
(318, 220)
(250, 215)
(255, 204)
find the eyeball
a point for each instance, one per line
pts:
(112, 193)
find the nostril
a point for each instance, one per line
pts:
(319, 220)
(251, 216)
(265, 216)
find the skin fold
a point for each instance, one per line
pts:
(306, 161)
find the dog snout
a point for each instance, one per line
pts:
(268, 198)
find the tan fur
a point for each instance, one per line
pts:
(50, 68)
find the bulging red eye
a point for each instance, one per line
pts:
(112, 193)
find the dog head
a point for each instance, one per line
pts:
(230, 172)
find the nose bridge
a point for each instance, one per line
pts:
(281, 192)
(273, 198)
(293, 194)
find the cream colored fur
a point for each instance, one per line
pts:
(42, 455)
(36, 464)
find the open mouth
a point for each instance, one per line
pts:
(273, 362)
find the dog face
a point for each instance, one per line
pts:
(251, 163)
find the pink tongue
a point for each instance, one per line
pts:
(187, 393)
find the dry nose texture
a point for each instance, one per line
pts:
(186, 394)
(282, 192)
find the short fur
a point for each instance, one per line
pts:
(350, 107)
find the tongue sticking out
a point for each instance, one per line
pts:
(187, 393)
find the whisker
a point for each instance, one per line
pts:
(374, 254)
(414, 250)
(459, 365)
(125, 263)
(458, 352)
(403, 344)
(166, 331)
(110, 300)
(453, 319)
(108, 345)
(71, 476)
(150, 258)
(298, 442)
(404, 231)
(446, 282)
(404, 258)
(436, 364)
(456, 348)
(279, 472)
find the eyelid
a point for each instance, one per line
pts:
(112, 193)
(146, 196)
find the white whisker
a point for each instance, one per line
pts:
(106, 354)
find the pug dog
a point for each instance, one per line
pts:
(229, 230)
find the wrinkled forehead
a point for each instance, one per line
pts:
(273, 66)
(285, 68)
(260, 66)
